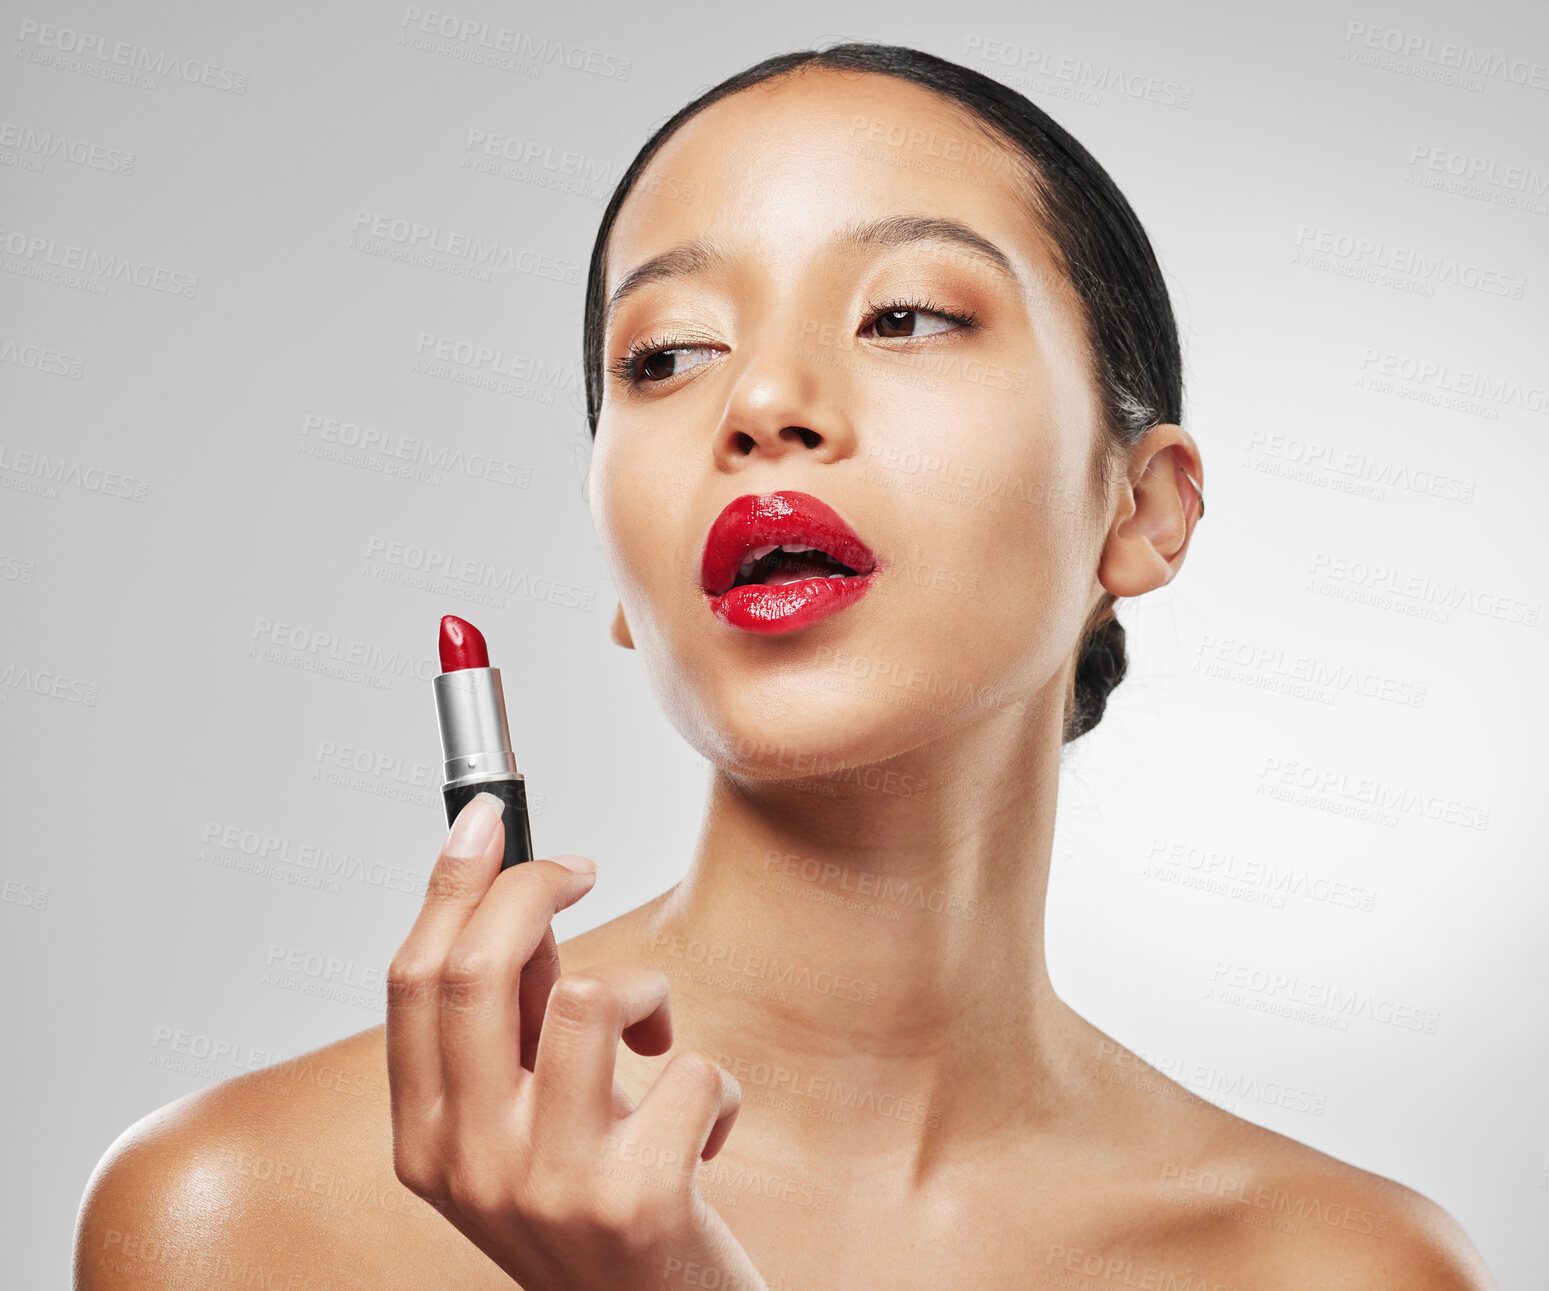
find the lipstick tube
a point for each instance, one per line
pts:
(475, 739)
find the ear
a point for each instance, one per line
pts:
(619, 629)
(1158, 508)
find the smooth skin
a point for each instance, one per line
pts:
(812, 1072)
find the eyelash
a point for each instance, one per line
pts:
(627, 368)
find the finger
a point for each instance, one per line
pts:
(690, 1107)
(588, 1012)
(468, 861)
(507, 938)
(539, 976)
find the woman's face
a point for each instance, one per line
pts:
(834, 324)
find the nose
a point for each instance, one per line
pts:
(781, 405)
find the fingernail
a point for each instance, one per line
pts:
(474, 826)
(580, 864)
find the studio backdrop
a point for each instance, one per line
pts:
(290, 358)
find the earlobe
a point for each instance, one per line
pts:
(618, 630)
(1156, 518)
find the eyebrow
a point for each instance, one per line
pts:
(700, 255)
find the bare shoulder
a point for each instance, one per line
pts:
(1244, 1207)
(279, 1177)
(1285, 1215)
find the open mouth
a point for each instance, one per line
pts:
(774, 562)
(789, 562)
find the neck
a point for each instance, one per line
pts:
(872, 940)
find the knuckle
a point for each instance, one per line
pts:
(416, 1171)
(699, 1072)
(582, 998)
(453, 878)
(569, 1206)
(470, 1185)
(468, 966)
(409, 978)
(642, 1218)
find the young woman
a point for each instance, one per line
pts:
(886, 390)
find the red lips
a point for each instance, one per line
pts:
(767, 520)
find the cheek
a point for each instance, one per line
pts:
(623, 503)
(989, 523)
(642, 512)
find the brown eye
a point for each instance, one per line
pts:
(891, 324)
(658, 367)
(668, 363)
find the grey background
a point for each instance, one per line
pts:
(176, 675)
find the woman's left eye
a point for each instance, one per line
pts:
(661, 364)
(890, 324)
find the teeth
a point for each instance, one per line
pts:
(758, 553)
(794, 547)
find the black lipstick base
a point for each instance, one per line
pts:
(511, 792)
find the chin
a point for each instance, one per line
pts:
(804, 724)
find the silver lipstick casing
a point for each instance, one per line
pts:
(475, 738)
(476, 753)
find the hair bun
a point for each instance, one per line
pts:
(1099, 668)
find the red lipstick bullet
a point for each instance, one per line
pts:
(475, 739)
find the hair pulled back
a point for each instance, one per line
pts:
(1127, 317)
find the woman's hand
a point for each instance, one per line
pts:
(506, 1117)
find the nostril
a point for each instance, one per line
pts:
(808, 437)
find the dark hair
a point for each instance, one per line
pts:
(1130, 332)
